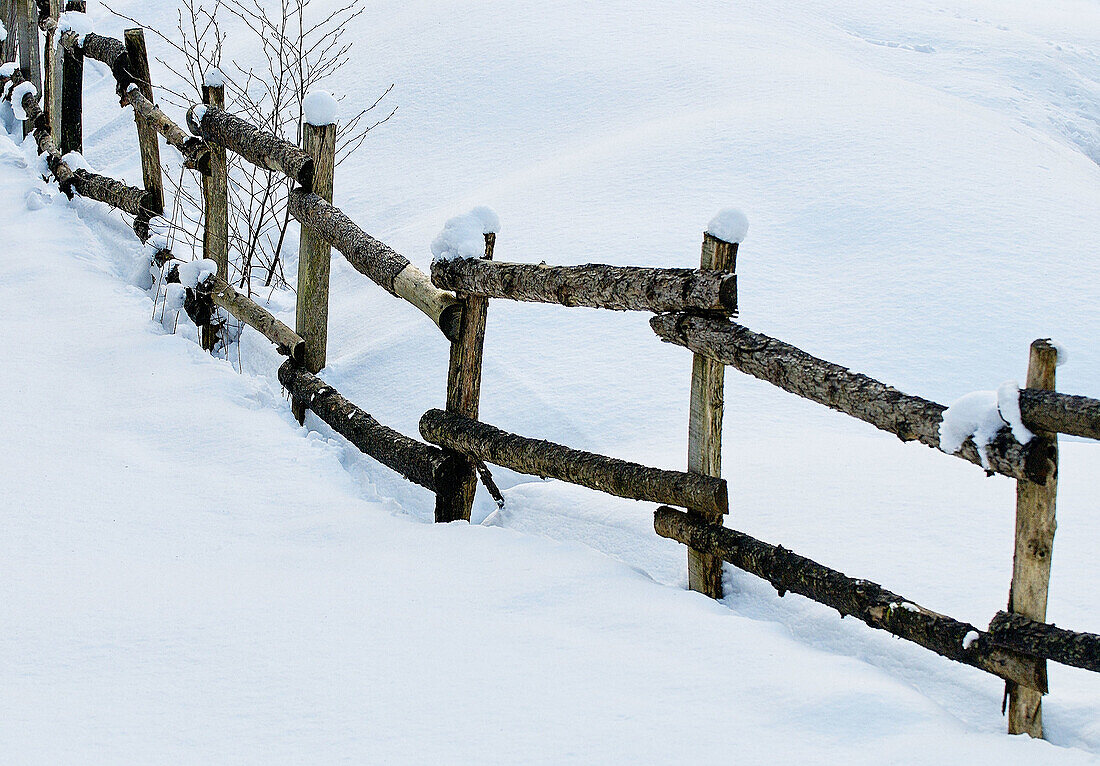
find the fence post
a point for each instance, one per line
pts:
(51, 65)
(71, 138)
(29, 61)
(1035, 525)
(454, 502)
(315, 255)
(705, 426)
(8, 17)
(147, 135)
(215, 193)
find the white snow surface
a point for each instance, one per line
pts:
(75, 21)
(190, 577)
(8, 69)
(320, 108)
(729, 225)
(199, 113)
(977, 415)
(464, 235)
(17, 95)
(214, 78)
(3, 32)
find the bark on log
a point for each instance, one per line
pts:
(863, 599)
(29, 54)
(196, 154)
(315, 253)
(8, 18)
(215, 195)
(128, 199)
(619, 288)
(246, 310)
(258, 147)
(106, 50)
(377, 260)
(1060, 413)
(546, 459)
(138, 68)
(781, 364)
(420, 463)
(51, 67)
(1018, 633)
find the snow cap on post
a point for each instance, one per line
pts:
(75, 21)
(214, 79)
(320, 108)
(464, 235)
(729, 225)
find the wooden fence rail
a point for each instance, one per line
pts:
(693, 308)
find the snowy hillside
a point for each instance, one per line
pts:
(192, 577)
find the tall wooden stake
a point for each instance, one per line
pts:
(29, 59)
(315, 255)
(51, 65)
(215, 192)
(1035, 525)
(148, 141)
(8, 17)
(705, 427)
(455, 502)
(71, 137)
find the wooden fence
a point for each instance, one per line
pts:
(693, 308)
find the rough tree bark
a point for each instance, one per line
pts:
(1060, 413)
(196, 154)
(781, 364)
(418, 462)
(72, 91)
(863, 599)
(257, 146)
(620, 288)
(377, 260)
(1018, 633)
(245, 309)
(546, 459)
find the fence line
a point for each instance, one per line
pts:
(692, 309)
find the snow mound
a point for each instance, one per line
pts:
(199, 113)
(1063, 355)
(37, 199)
(981, 415)
(215, 78)
(320, 108)
(75, 21)
(3, 31)
(464, 235)
(729, 225)
(195, 273)
(17, 95)
(8, 69)
(76, 161)
(159, 230)
(175, 296)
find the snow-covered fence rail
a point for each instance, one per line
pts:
(693, 308)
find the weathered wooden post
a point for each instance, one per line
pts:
(8, 18)
(705, 426)
(71, 137)
(29, 59)
(1035, 525)
(138, 60)
(51, 65)
(314, 253)
(455, 502)
(215, 192)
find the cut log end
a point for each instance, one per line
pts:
(450, 322)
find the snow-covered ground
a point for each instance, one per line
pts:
(191, 577)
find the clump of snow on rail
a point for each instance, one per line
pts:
(75, 21)
(982, 415)
(464, 235)
(17, 95)
(194, 273)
